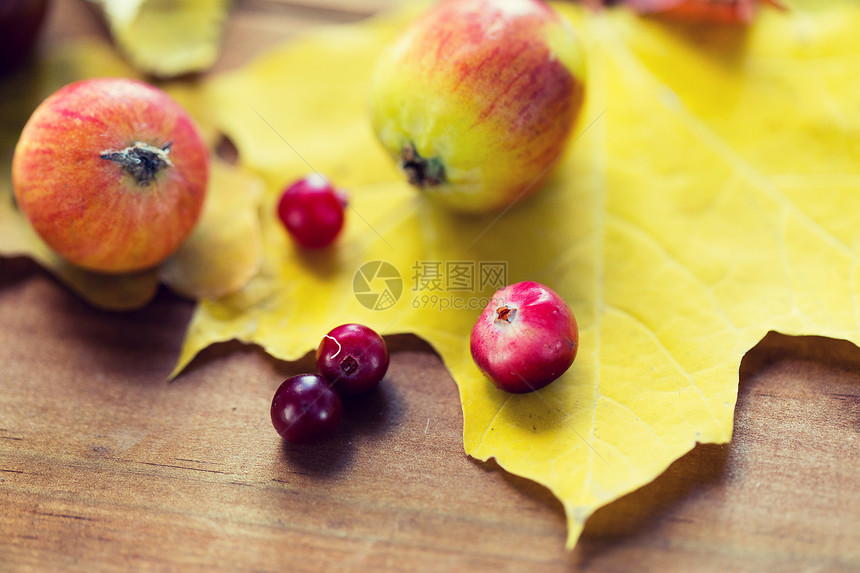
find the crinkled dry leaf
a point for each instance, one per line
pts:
(225, 249)
(167, 39)
(712, 196)
(113, 292)
(222, 253)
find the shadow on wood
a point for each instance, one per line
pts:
(794, 450)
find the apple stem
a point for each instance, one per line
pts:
(141, 160)
(422, 172)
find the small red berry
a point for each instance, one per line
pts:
(352, 358)
(305, 409)
(525, 338)
(312, 211)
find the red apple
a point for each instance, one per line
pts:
(477, 99)
(111, 173)
(20, 21)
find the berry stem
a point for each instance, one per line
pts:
(506, 314)
(141, 160)
(349, 365)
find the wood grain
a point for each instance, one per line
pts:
(104, 465)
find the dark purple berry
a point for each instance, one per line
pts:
(352, 358)
(305, 409)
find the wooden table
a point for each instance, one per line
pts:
(104, 465)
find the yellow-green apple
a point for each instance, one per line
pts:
(478, 98)
(112, 174)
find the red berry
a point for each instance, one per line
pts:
(305, 409)
(526, 337)
(312, 211)
(352, 358)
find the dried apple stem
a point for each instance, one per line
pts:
(141, 160)
(422, 172)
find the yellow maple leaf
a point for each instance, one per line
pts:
(221, 254)
(711, 196)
